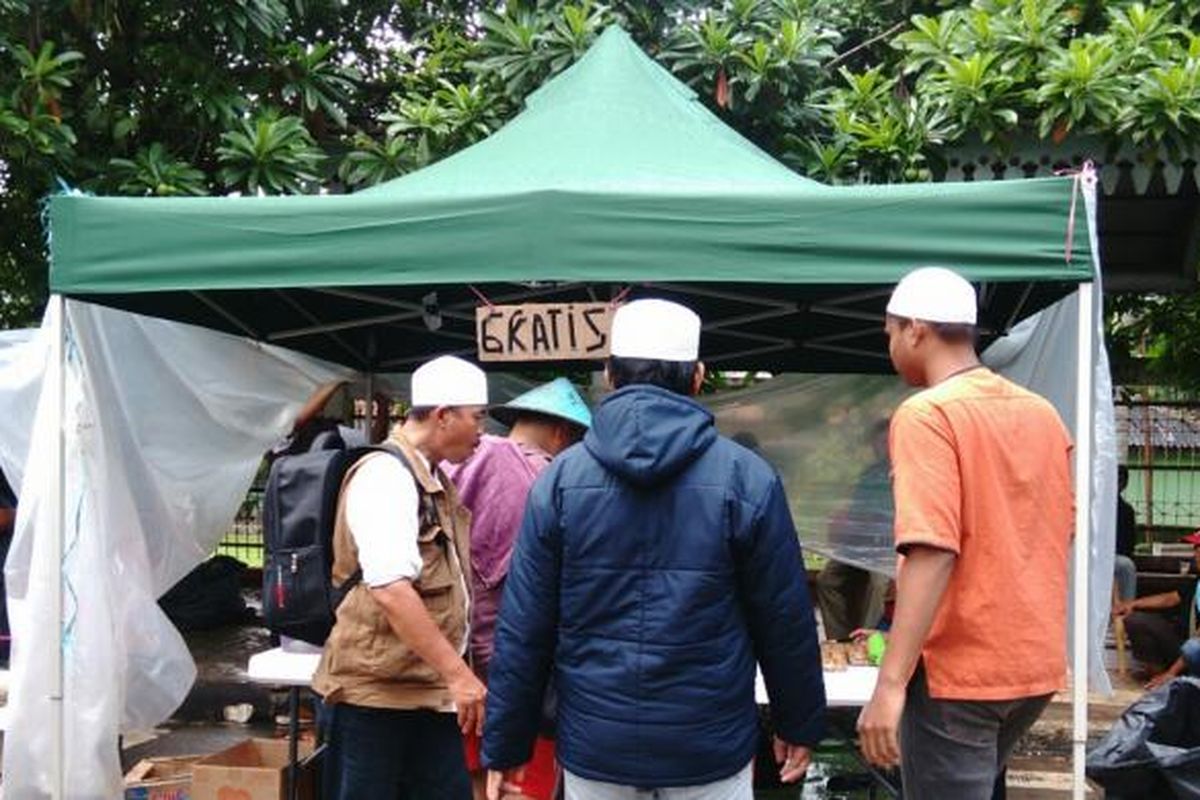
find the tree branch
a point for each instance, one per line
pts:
(843, 56)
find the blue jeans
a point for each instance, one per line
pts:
(1191, 656)
(738, 786)
(1125, 576)
(392, 755)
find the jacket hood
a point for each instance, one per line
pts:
(647, 435)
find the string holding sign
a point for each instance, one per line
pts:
(543, 331)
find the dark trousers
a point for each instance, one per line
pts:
(959, 748)
(849, 598)
(392, 755)
(1154, 638)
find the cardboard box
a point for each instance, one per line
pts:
(254, 769)
(168, 778)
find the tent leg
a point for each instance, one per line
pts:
(1082, 543)
(58, 363)
(372, 358)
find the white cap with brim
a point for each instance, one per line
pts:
(934, 294)
(449, 381)
(655, 329)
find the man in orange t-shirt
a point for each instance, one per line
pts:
(981, 474)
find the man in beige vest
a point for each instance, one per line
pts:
(393, 673)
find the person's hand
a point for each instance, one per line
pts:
(864, 633)
(468, 693)
(1122, 608)
(793, 760)
(1158, 680)
(879, 725)
(504, 784)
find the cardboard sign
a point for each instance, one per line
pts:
(543, 331)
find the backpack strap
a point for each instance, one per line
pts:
(426, 510)
(340, 591)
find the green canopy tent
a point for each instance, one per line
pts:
(614, 175)
(613, 181)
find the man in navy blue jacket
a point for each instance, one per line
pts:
(657, 563)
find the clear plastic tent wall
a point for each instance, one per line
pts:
(165, 425)
(826, 435)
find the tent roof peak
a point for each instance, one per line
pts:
(614, 121)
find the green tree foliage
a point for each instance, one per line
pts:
(1006, 71)
(174, 98)
(1156, 340)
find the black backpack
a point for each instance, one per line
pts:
(299, 514)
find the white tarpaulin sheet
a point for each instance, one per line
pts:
(165, 425)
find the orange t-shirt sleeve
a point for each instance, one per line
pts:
(925, 480)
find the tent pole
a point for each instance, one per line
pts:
(55, 543)
(370, 415)
(1082, 543)
(372, 357)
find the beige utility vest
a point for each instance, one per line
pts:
(364, 663)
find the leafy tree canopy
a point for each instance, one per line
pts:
(169, 98)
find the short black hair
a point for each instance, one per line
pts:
(539, 418)
(948, 332)
(1122, 476)
(674, 376)
(956, 332)
(420, 413)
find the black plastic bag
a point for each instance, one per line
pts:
(210, 596)
(1153, 750)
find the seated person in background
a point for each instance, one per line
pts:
(1159, 624)
(849, 597)
(1188, 662)
(1124, 570)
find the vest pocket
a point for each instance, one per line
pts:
(436, 581)
(436, 587)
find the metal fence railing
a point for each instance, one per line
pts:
(1160, 442)
(244, 541)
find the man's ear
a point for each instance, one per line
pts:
(698, 378)
(608, 381)
(918, 331)
(441, 416)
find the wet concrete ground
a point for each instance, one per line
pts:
(221, 655)
(199, 725)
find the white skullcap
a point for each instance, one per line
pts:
(934, 294)
(656, 329)
(448, 381)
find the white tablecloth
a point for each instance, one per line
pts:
(847, 689)
(277, 667)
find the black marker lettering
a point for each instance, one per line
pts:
(515, 323)
(541, 337)
(601, 338)
(488, 340)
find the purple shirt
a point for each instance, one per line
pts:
(494, 484)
